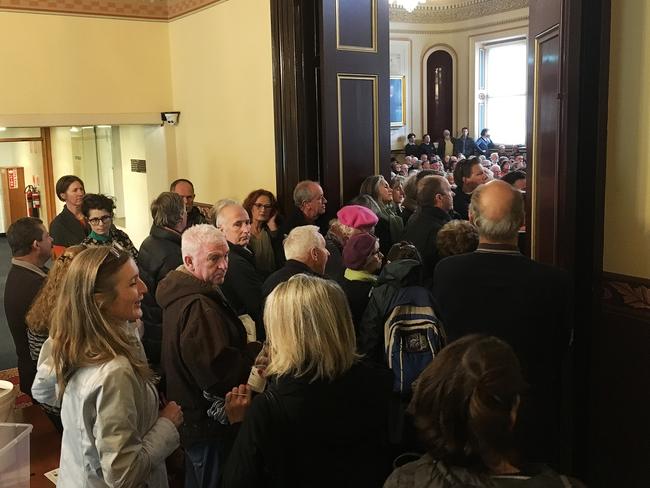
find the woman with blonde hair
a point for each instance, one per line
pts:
(113, 433)
(322, 420)
(39, 316)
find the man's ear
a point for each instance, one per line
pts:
(187, 261)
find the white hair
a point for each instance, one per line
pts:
(300, 241)
(198, 236)
(218, 207)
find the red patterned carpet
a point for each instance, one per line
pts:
(12, 375)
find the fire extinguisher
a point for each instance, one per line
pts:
(33, 200)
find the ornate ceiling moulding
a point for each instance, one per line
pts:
(160, 10)
(438, 11)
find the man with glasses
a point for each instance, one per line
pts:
(310, 207)
(185, 189)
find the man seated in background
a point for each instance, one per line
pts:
(469, 174)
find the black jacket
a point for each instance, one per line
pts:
(159, 254)
(195, 217)
(412, 150)
(334, 268)
(290, 268)
(399, 283)
(21, 288)
(319, 434)
(422, 231)
(461, 202)
(532, 317)
(441, 147)
(427, 149)
(297, 219)
(358, 294)
(243, 285)
(66, 230)
(464, 145)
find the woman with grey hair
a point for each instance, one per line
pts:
(160, 253)
(380, 191)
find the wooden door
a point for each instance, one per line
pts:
(440, 94)
(13, 183)
(354, 89)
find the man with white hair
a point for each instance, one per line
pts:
(306, 253)
(243, 285)
(534, 320)
(204, 347)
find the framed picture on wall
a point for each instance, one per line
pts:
(397, 101)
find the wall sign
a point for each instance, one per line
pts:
(138, 166)
(13, 178)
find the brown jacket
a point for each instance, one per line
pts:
(203, 349)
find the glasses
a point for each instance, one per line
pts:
(265, 206)
(103, 220)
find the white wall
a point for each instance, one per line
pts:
(417, 41)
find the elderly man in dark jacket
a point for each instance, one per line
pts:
(306, 253)
(204, 348)
(535, 321)
(435, 200)
(31, 247)
(243, 284)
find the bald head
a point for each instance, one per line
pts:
(497, 210)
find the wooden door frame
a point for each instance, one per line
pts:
(48, 171)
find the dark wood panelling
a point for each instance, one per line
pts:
(334, 63)
(440, 94)
(356, 24)
(358, 137)
(578, 200)
(546, 126)
(620, 445)
(294, 27)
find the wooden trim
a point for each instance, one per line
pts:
(48, 173)
(628, 296)
(21, 139)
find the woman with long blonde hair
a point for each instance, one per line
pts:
(323, 417)
(113, 432)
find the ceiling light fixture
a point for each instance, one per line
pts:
(75, 129)
(408, 5)
(2, 129)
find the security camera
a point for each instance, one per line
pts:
(170, 118)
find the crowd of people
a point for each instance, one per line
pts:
(294, 350)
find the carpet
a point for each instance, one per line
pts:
(22, 400)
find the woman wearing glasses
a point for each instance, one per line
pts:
(262, 208)
(98, 211)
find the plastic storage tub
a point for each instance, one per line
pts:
(14, 455)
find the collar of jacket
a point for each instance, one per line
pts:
(354, 275)
(24, 264)
(498, 248)
(435, 212)
(165, 233)
(242, 251)
(300, 267)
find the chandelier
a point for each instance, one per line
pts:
(408, 5)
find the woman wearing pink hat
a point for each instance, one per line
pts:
(351, 219)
